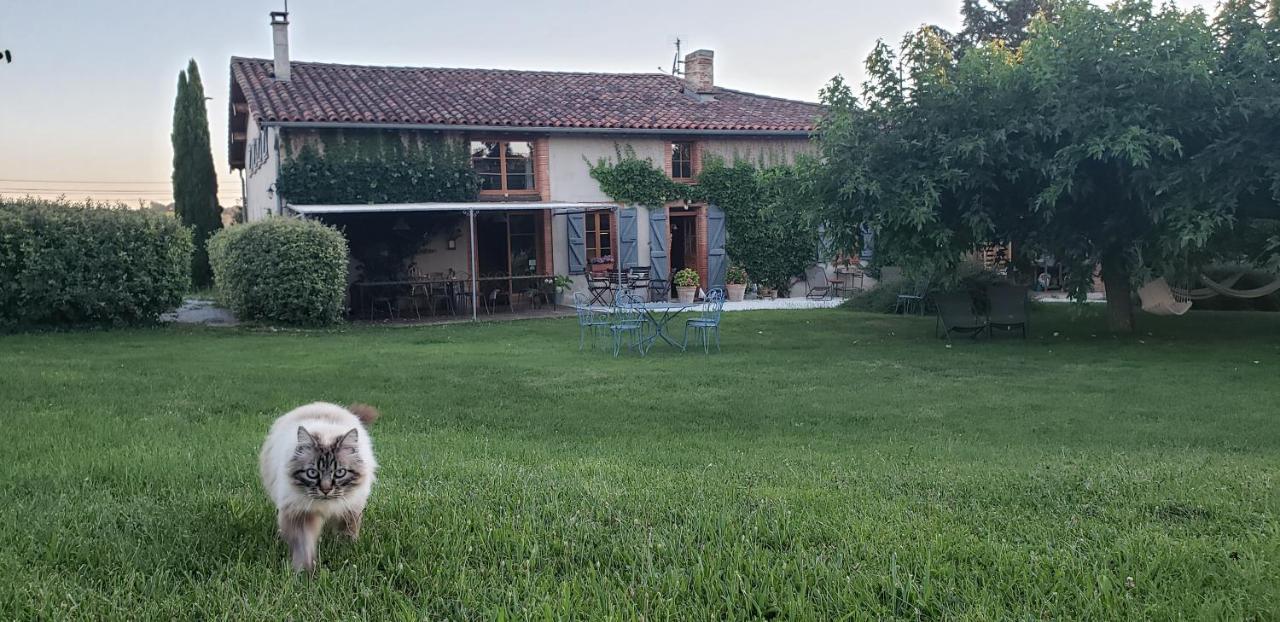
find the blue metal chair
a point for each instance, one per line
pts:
(628, 321)
(707, 322)
(588, 320)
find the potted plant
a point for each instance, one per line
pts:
(554, 286)
(603, 263)
(735, 281)
(686, 282)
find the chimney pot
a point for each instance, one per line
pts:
(699, 70)
(280, 44)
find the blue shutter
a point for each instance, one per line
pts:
(627, 246)
(717, 261)
(868, 250)
(577, 240)
(659, 262)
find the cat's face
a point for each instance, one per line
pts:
(326, 471)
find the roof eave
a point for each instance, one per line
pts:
(795, 133)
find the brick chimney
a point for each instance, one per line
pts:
(280, 44)
(699, 70)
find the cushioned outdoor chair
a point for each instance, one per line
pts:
(1009, 308)
(956, 315)
(707, 322)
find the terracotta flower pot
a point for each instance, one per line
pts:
(686, 294)
(736, 291)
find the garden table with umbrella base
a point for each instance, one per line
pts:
(659, 315)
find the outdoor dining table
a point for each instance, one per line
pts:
(659, 315)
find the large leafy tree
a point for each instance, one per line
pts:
(1089, 142)
(1007, 21)
(195, 183)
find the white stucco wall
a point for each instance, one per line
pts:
(571, 177)
(259, 203)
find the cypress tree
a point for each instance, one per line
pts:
(195, 183)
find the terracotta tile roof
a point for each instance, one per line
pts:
(321, 92)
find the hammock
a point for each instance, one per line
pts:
(1225, 289)
(1205, 293)
(1158, 299)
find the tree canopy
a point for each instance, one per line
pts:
(1130, 137)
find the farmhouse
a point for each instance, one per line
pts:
(531, 136)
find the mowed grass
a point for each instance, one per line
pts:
(828, 465)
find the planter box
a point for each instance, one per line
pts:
(736, 292)
(602, 267)
(686, 294)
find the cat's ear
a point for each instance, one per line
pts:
(348, 440)
(304, 438)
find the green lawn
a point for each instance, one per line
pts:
(827, 465)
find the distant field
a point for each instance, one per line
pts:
(827, 465)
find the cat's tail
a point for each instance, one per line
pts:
(364, 412)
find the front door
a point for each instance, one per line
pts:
(684, 241)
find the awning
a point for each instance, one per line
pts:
(388, 208)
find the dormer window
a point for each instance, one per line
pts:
(503, 165)
(682, 160)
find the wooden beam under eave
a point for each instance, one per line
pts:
(240, 107)
(239, 137)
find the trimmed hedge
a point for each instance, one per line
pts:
(281, 270)
(88, 264)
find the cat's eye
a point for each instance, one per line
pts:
(340, 473)
(312, 473)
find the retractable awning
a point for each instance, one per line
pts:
(388, 208)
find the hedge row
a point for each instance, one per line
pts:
(281, 270)
(84, 264)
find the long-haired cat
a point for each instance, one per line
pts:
(317, 466)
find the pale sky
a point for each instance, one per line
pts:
(87, 103)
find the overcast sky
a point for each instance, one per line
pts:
(87, 102)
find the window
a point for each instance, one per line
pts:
(599, 237)
(682, 160)
(504, 166)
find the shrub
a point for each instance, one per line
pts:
(281, 270)
(969, 277)
(880, 298)
(736, 275)
(88, 264)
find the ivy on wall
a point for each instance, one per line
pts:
(632, 180)
(374, 166)
(767, 209)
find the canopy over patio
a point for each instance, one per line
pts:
(471, 209)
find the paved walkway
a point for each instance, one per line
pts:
(781, 303)
(200, 311)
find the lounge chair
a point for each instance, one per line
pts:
(956, 314)
(820, 287)
(1009, 308)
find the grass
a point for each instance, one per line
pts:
(828, 465)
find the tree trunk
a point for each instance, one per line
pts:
(1115, 279)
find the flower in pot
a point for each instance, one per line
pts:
(603, 263)
(554, 286)
(686, 281)
(735, 281)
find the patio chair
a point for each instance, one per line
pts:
(1009, 308)
(849, 279)
(956, 315)
(628, 321)
(638, 278)
(707, 322)
(598, 287)
(659, 290)
(821, 287)
(588, 320)
(912, 295)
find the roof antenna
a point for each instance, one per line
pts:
(676, 69)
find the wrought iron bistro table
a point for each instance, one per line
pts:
(659, 315)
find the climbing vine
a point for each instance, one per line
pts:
(377, 167)
(630, 179)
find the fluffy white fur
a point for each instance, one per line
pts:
(301, 516)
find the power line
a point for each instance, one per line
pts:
(100, 181)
